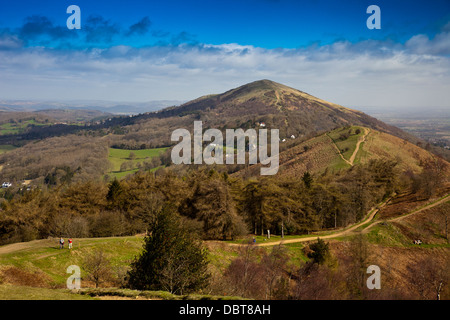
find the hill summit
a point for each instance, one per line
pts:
(293, 112)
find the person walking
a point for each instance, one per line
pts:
(61, 243)
(70, 243)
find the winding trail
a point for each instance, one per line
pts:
(10, 248)
(429, 206)
(18, 246)
(346, 231)
(371, 215)
(361, 140)
(358, 144)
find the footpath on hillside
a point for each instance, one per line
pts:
(358, 144)
(371, 216)
(369, 221)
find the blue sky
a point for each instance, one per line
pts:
(150, 50)
(261, 23)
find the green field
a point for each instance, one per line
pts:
(118, 156)
(46, 261)
(18, 127)
(348, 145)
(45, 255)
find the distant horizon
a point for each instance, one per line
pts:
(187, 100)
(104, 105)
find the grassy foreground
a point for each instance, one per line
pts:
(37, 269)
(11, 292)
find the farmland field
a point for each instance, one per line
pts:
(15, 128)
(118, 156)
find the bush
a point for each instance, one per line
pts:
(319, 251)
(109, 224)
(343, 136)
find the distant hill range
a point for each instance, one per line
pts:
(116, 108)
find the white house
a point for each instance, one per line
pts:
(6, 184)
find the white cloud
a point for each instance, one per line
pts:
(421, 44)
(367, 73)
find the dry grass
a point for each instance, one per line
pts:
(397, 281)
(381, 145)
(22, 277)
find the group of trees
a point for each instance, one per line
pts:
(431, 179)
(174, 260)
(43, 161)
(177, 210)
(218, 205)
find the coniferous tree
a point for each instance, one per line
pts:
(114, 191)
(172, 258)
(320, 251)
(307, 179)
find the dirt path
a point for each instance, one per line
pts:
(429, 206)
(44, 243)
(51, 242)
(18, 246)
(344, 232)
(339, 152)
(353, 156)
(363, 139)
(355, 226)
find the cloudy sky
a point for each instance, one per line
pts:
(179, 50)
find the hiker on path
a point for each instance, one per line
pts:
(61, 243)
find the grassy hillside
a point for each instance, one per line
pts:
(334, 150)
(19, 127)
(12, 292)
(49, 263)
(37, 269)
(380, 145)
(346, 140)
(427, 225)
(119, 156)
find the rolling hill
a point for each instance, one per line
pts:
(78, 203)
(291, 111)
(278, 106)
(344, 147)
(313, 122)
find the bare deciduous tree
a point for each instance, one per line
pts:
(97, 266)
